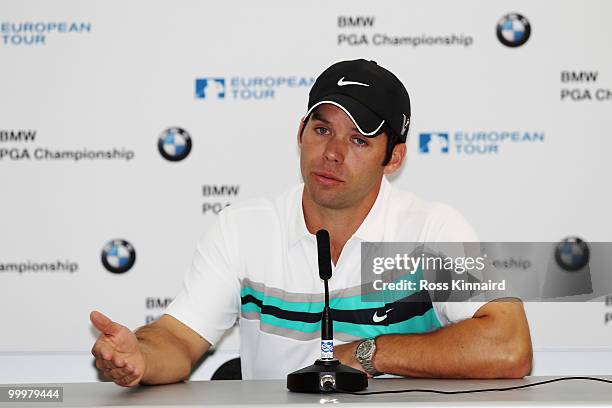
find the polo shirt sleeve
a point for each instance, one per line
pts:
(448, 225)
(209, 299)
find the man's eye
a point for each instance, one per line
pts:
(359, 141)
(322, 130)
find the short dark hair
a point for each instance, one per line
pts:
(392, 141)
(392, 138)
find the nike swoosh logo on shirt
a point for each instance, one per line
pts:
(377, 319)
(342, 82)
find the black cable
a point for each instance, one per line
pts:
(477, 390)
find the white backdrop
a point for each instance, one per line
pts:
(104, 75)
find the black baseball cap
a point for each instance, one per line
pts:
(368, 93)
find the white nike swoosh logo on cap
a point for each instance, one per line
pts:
(377, 319)
(342, 82)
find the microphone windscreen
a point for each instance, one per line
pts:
(324, 254)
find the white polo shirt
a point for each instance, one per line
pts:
(258, 263)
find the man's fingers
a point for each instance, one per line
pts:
(99, 365)
(128, 381)
(102, 364)
(118, 373)
(132, 378)
(103, 350)
(106, 375)
(122, 376)
(106, 357)
(117, 361)
(116, 366)
(104, 324)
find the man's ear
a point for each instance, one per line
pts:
(397, 158)
(300, 131)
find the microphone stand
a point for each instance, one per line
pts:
(326, 374)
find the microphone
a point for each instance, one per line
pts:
(324, 255)
(326, 374)
(325, 273)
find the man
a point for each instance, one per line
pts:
(258, 263)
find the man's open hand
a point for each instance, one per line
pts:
(117, 352)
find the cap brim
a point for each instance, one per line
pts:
(366, 121)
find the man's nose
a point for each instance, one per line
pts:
(335, 150)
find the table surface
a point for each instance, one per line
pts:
(274, 393)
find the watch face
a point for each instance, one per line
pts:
(364, 348)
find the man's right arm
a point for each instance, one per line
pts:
(161, 352)
(165, 351)
(171, 349)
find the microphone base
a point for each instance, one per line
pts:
(327, 376)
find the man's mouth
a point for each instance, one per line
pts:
(327, 178)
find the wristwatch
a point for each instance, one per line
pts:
(364, 354)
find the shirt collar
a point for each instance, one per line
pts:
(298, 229)
(373, 227)
(370, 230)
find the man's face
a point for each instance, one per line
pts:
(341, 167)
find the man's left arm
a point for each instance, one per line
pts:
(494, 343)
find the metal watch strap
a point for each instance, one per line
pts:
(366, 360)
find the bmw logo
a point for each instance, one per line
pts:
(513, 30)
(174, 144)
(572, 254)
(118, 256)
